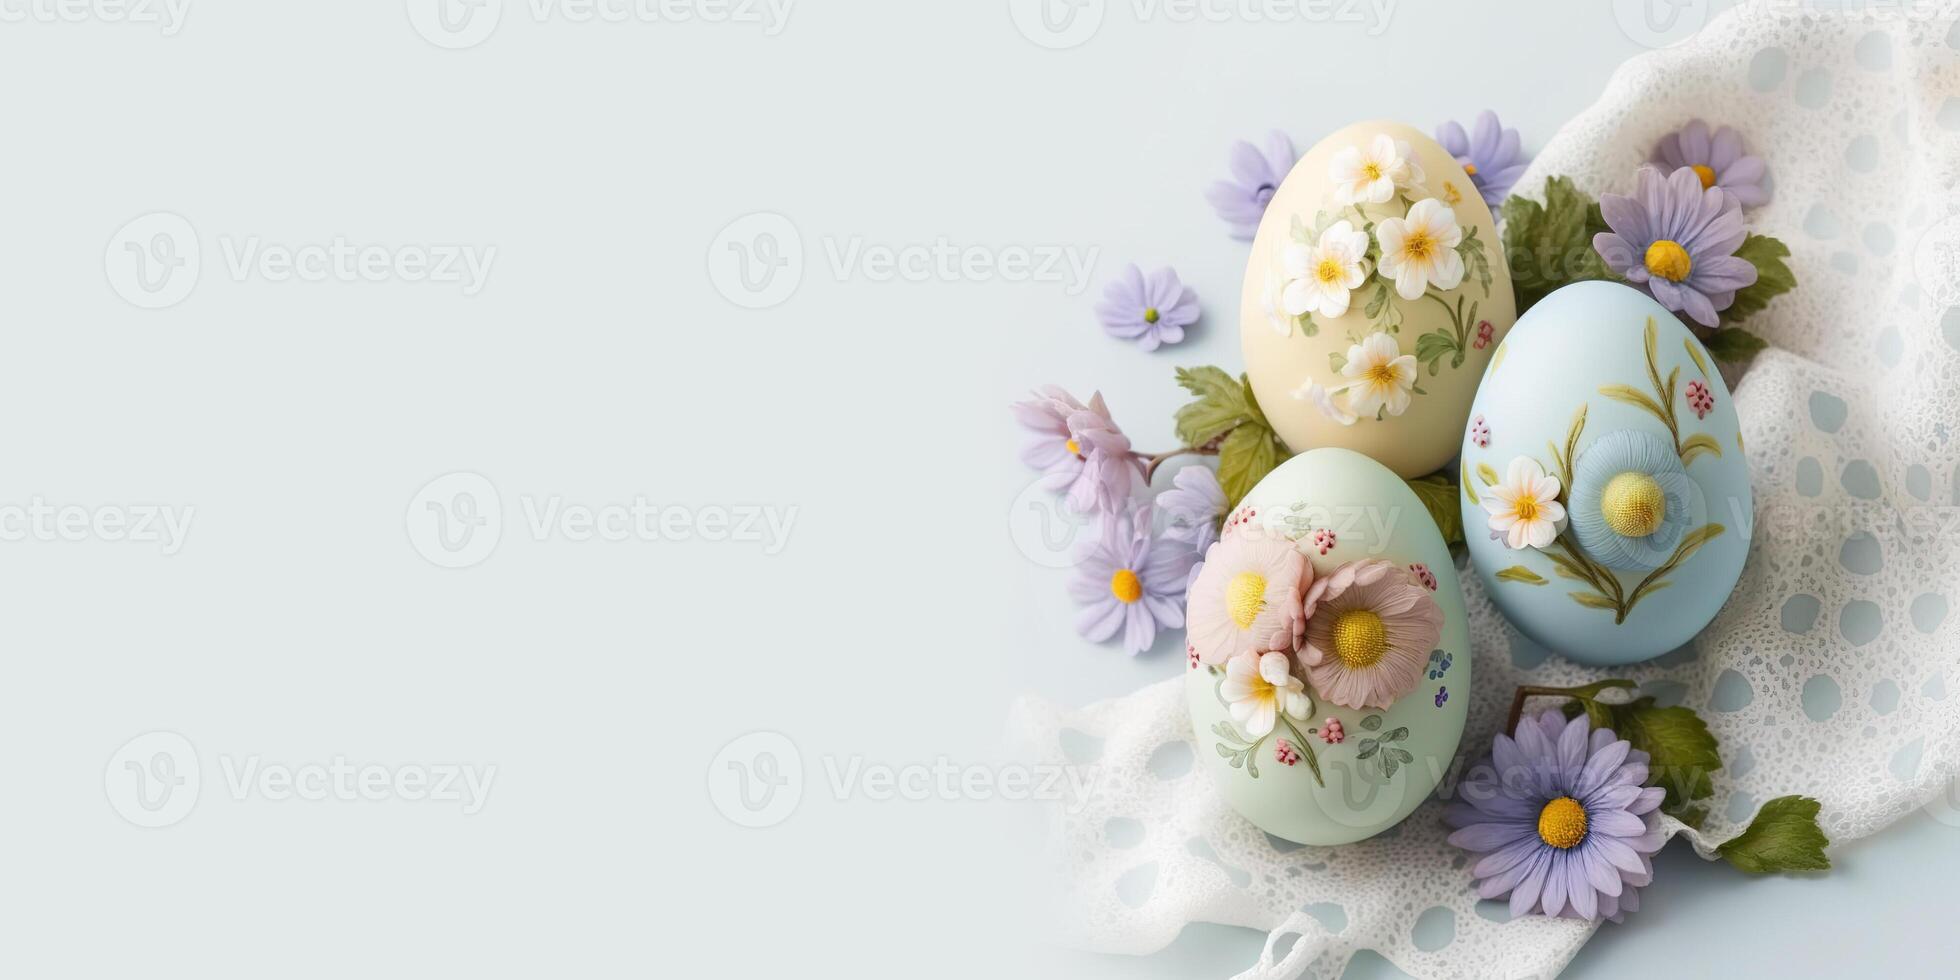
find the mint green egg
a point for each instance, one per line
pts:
(1387, 760)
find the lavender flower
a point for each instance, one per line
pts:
(1079, 449)
(1131, 581)
(1560, 820)
(1677, 239)
(1256, 176)
(1717, 161)
(1489, 153)
(1194, 504)
(1150, 310)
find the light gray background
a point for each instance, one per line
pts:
(604, 359)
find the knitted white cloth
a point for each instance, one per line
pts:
(1829, 671)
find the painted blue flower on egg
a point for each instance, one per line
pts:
(1631, 500)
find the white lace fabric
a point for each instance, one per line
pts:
(1828, 671)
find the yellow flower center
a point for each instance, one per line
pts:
(1074, 448)
(1633, 505)
(1381, 375)
(1360, 639)
(1372, 170)
(1706, 174)
(1245, 595)
(1150, 314)
(1562, 823)
(1125, 586)
(1418, 246)
(1527, 509)
(1668, 260)
(1470, 168)
(1329, 271)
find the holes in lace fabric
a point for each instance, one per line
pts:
(1874, 51)
(1810, 476)
(1860, 554)
(1885, 696)
(1860, 480)
(1813, 88)
(1928, 612)
(1821, 697)
(1122, 832)
(1766, 69)
(1171, 760)
(1134, 887)
(1800, 613)
(1860, 622)
(1435, 927)
(1919, 480)
(1732, 692)
(1827, 411)
(1201, 848)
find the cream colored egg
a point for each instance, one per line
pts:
(1371, 335)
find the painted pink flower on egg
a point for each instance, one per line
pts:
(1700, 399)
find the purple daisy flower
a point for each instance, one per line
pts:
(1256, 176)
(1560, 819)
(1677, 239)
(1079, 448)
(1130, 580)
(1490, 154)
(1718, 161)
(1193, 505)
(1150, 310)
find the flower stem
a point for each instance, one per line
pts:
(1306, 749)
(1150, 463)
(1585, 692)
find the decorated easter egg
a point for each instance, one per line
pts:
(1604, 491)
(1329, 659)
(1375, 293)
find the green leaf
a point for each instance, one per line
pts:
(1377, 302)
(1593, 600)
(1475, 263)
(1431, 347)
(1486, 474)
(1682, 751)
(1220, 406)
(1783, 837)
(1773, 278)
(1519, 573)
(1368, 748)
(1633, 396)
(1246, 456)
(1438, 496)
(1734, 344)
(1695, 445)
(1253, 412)
(1549, 245)
(1372, 723)
(1337, 360)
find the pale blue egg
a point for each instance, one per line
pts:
(1608, 394)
